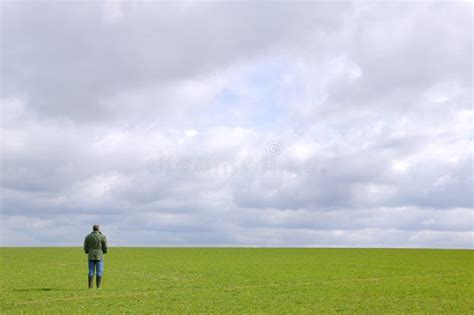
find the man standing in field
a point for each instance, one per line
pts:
(95, 245)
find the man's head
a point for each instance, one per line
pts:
(95, 227)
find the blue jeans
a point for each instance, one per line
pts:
(96, 265)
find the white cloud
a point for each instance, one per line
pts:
(379, 94)
(112, 10)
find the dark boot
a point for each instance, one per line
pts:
(91, 282)
(99, 282)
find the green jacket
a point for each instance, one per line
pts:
(95, 245)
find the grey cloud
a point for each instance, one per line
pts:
(381, 94)
(68, 61)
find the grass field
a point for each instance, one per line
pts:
(240, 280)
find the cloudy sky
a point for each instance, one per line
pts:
(241, 124)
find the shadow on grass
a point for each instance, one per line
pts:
(39, 290)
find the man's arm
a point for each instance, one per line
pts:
(104, 244)
(86, 246)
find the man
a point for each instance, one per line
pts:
(95, 245)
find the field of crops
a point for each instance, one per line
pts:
(239, 280)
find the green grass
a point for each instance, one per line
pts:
(239, 280)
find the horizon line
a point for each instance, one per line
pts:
(244, 247)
